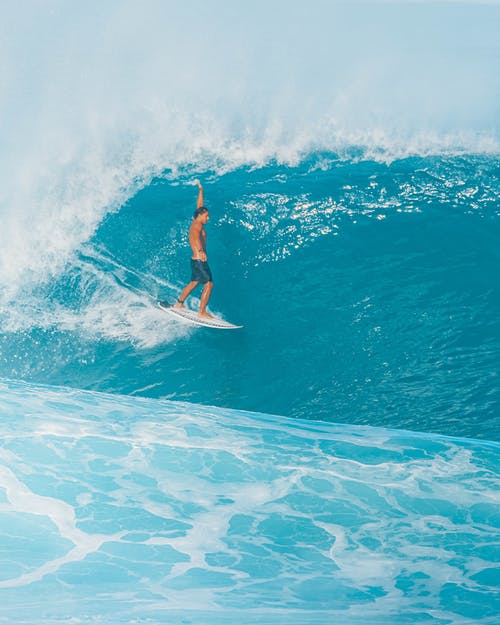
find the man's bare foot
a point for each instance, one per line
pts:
(205, 315)
(179, 305)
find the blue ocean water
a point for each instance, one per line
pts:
(337, 459)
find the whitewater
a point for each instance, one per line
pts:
(336, 460)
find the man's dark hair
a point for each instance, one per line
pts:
(199, 211)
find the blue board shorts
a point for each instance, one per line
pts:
(200, 271)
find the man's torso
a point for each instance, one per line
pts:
(197, 238)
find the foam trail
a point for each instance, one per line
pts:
(23, 501)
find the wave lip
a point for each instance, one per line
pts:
(132, 509)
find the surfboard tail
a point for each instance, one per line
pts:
(190, 316)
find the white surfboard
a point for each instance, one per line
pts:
(191, 316)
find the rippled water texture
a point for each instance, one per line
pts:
(117, 509)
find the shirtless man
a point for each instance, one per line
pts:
(200, 271)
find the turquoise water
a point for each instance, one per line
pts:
(119, 509)
(337, 459)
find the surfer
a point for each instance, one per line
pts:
(200, 271)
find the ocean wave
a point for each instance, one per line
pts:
(395, 264)
(155, 95)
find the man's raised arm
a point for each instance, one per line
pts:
(199, 203)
